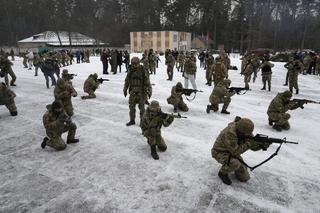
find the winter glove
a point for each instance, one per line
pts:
(265, 146)
(125, 93)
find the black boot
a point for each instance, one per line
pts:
(277, 127)
(14, 113)
(225, 111)
(208, 108)
(72, 141)
(131, 122)
(225, 178)
(175, 109)
(297, 91)
(270, 122)
(154, 153)
(44, 142)
(269, 88)
(263, 88)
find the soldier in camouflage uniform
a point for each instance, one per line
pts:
(152, 62)
(266, 73)
(277, 111)
(190, 69)
(90, 86)
(170, 62)
(145, 61)
(56, 122)
(7, 98)
(25, 60)
(181, 59)
(209, 63)
(219, 71)
(37, 62)
(230, 144)
(256, 66)
(6, 69)
(176, 98)
(113, 61)
(220, 94)
(294, 68)
(138, 83)
(225, 58)
(247, 72)
(63, 92)
(151, 124)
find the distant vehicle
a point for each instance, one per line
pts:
(261, 52)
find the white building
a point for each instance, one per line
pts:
(160, 41)
(58, 39)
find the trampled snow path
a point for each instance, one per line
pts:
(111, 169)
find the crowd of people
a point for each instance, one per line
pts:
(234, 140)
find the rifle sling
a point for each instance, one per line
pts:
(256, 166)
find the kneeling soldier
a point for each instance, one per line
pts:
(277, 110)
(90, 86)
(56, 122)
(151, 124)
(7, 98)
(176, 98)
(230, 144)
(220, 94)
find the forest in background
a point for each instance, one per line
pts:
(237, 24)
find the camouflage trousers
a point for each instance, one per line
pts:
(134, 99)
(12, 75)
(170, 72)
(280, 119)
(67, 106)
(293, 81)
(265, 79)
(55, 139)
(11, 106)
(230, 164)
(255, 74)
(209, 75)
(217, 80)
(247, 79)
(24, 62)
(157, 141)
(215, 101)
(178, 104)
(180, 66)
(91, 95)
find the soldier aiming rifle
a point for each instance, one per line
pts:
(188, 92)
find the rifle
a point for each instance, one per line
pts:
(188, 92)
(163, 115)
(260, 138)
(101, 80)
(70, 76)
(238, 90)
(301, 102)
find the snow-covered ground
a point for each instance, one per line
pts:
(111, 169)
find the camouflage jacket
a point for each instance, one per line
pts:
(137, 81)
(229, 142)
(190, 67)
(90, 84)
(54, 122)
(220, 71)
(220, 91)
(151, 125)
(278, 105)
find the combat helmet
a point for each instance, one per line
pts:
(245, 126)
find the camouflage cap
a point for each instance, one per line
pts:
(154, 106)
(135, 60)
(287, 94)
(227, 82)
(95, 75)
(245, 126)
(65, 71)
(56, 105)
(179, 84)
